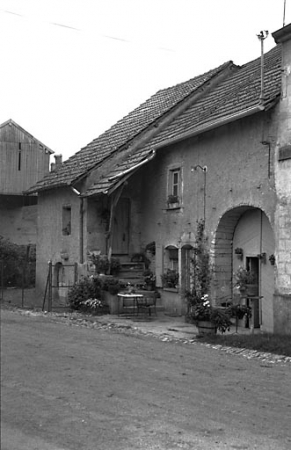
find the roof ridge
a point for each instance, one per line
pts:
(11, 121)
(154, 109)
(218, 68)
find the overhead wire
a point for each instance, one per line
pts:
(81, 30)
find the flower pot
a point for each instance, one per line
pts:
(252, 290)
(206, 327)
(243, 289)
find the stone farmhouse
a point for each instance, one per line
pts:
(215, 148)
(24, 160)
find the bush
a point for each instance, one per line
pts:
(88, 288)
(18, 264)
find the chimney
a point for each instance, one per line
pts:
(58, 161)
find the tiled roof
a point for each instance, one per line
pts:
(124, 131)
(238, 92)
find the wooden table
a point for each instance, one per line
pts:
(128, 296)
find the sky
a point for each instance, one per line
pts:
(70, 69)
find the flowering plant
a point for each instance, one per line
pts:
(202, 310)
(92, 303)
(170, 278)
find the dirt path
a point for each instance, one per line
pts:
(67, 387)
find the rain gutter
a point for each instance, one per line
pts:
(212, 125)
(136, 166)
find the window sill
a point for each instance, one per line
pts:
(173, 206)
(170, 289)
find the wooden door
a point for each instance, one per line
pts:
(121, 225)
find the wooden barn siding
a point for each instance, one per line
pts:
(34, 161)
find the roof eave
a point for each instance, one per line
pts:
(212, 125)
(122, 176)
(283, 34)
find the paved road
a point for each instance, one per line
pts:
(74, 388)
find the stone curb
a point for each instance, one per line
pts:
(76, 319)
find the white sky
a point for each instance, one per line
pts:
(71, 68)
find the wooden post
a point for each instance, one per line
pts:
(23, 281)
(50, 297)
(2, 279)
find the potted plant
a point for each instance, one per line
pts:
(173, 200)
(101, 263)
(114, 266)
(246, 281)
(110, 289)
(150, 280)
(170, 278)
(239, 312)
(207, 318)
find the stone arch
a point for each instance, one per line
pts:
(222, 252)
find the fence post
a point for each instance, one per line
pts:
(23, 280)
(50, 278)
(2, 279)
(75, 272)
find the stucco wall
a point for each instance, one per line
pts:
(52, 245)
(240, 174)
(237, 174)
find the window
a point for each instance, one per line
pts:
(176, 182)
(66, 221)
(170, 277)
(174, 188)
(173, 258)
(19, 156)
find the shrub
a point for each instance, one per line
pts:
(85, 289)
(18, 264)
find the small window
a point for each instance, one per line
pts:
(174, 188)
(66, 220)
(19, 156)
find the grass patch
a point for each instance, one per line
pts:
(272, 343)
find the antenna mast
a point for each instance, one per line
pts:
(262, 36)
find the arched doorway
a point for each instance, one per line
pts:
(244, 237)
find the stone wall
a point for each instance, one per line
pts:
(283, 190)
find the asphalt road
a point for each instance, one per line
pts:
(68, 387)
